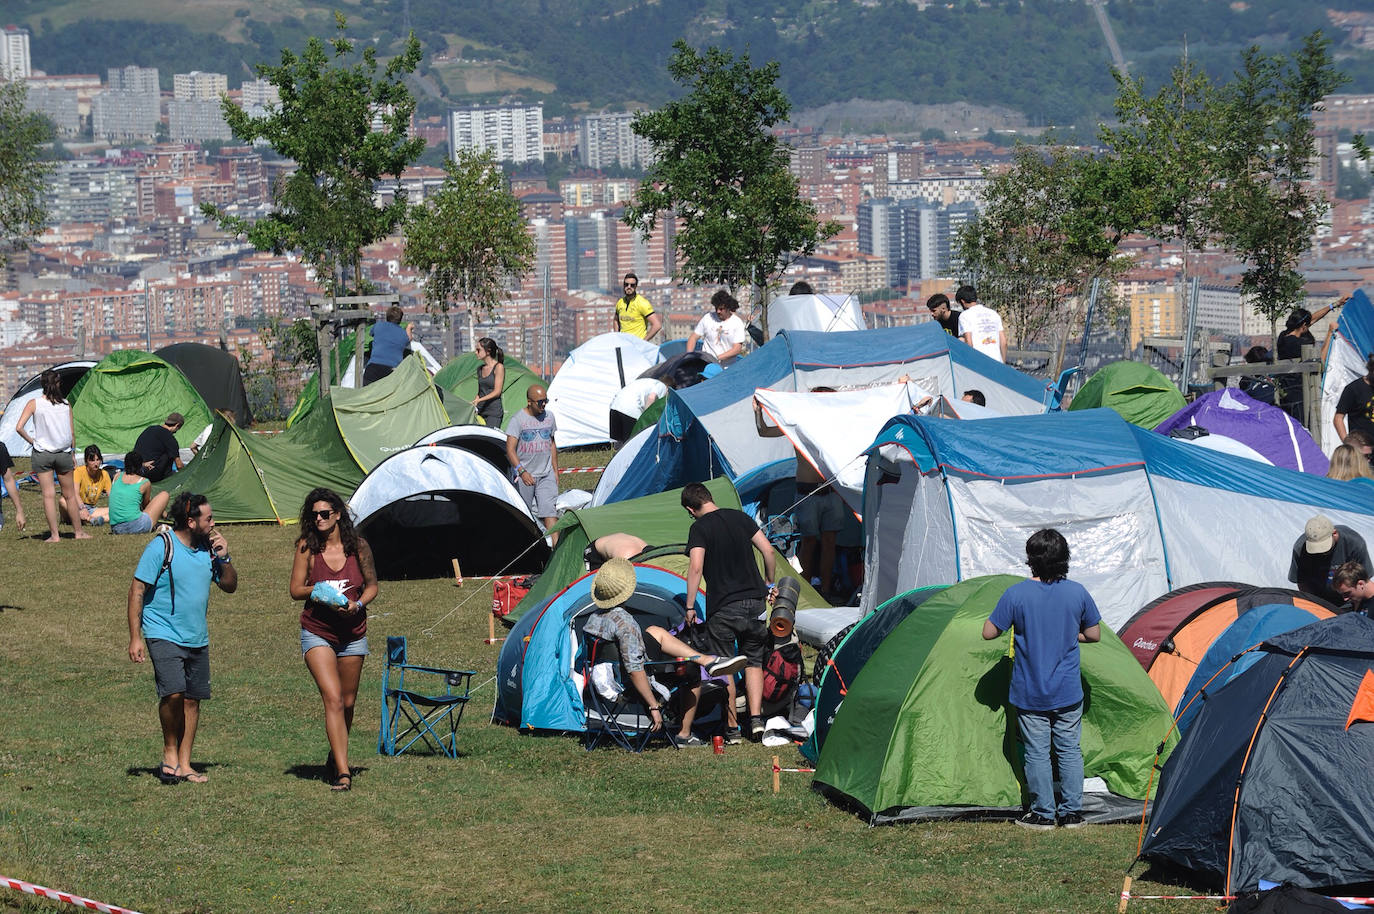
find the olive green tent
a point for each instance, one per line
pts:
(924, 730)
(128, 391)
(341, 373)
(458, 380)
(657, 519)
(1139, 393)
(251, 477)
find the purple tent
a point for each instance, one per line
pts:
(1267, 429)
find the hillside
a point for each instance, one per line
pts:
(1046, 59)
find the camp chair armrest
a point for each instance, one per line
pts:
(434, 669)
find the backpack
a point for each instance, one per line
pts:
(166, 537)
(782, 672)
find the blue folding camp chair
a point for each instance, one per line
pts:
(431, 719)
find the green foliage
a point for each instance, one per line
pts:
(22, 169)
(1352, 183)
(723, 174)
(1045, 233)
(272, 382)
(1265, 210)
(325, 208)
(469, 237)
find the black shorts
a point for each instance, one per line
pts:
(739, 624)
(177, 669)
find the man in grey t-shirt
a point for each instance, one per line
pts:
(533, 455)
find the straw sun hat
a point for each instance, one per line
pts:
(614, 583)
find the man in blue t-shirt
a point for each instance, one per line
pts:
(1049, 615)
(167, 607)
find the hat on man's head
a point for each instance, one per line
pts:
(1320, 534)
(614, 583)
(175, 419)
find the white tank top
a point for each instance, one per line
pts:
(52, 425)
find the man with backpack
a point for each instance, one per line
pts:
(720, 548)
(168, 601)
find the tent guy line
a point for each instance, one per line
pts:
(430, 630)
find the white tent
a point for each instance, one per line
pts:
(422, 508)
(1346, 358)
(581, 392)
(487, 443)
(1143, 513)
(30, 390)
(826, 313)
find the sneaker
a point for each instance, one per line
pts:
(1035, 821)
(724, 666)
(692, 740)
(733, 736)
(756, 727)
(1071, 820)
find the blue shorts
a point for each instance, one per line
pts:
(311, 640)
(141, 524)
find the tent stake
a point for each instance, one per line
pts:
(1125, 896)
(776, 778)
(491, 630)
(457, 574)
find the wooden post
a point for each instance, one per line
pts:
(491, 628)
(1125, 896)
(457, 574)
(776, 776)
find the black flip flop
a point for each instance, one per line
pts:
(167, 774)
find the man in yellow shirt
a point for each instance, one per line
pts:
(634, 314)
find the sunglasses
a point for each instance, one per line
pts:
(323, 515)
(540, 402)
(631, 285)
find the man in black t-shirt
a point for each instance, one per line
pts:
(940, 311)
(720, 549)
(1356, 405)
(1323, 548)
(158, 446)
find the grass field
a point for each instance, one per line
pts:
(519, 823)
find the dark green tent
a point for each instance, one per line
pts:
(127, 392)
(924, 729)
(266, 477)
(658, 519)
(216, 375)
(458, 380)
(1139, 393)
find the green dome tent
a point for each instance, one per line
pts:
(458, 379)
(1139, 393)
(266, 477)
(657, 519)
(128, 391)
(923, 731)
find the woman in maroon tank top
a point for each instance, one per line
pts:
(334, 638)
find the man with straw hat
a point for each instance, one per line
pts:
(613, 585)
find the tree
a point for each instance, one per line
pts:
(469, 237)
(22, 169)
(1045, 232)
(1267, 209)
(724, 175)
(325, 209)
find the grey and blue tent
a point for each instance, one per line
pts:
(1272, 780)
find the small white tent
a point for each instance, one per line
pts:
(422, 508)
(487, 443)
(826, 313)
(31, 389)
(581, 392)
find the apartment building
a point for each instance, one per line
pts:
(607, 139)
(512, 133)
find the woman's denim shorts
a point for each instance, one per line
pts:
(352, 649)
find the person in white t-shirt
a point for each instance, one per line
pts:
(980, 326)
(720, 330)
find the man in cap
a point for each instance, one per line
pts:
(1317, 554)
(158, 446)
(613, 585)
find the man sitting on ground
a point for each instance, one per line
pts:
(613, 585)
(158, 445)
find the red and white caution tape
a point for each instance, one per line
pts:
(20, 885)
(1132, 896)
(568, 470)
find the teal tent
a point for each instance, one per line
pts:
(924, 730)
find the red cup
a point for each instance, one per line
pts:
(718, 745)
